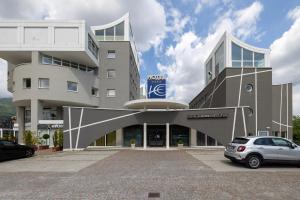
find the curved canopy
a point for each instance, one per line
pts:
(155, 104)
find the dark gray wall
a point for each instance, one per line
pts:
(126, 74)
(282, 98)
(98, 122)
(230, 91)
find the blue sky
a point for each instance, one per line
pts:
(175, 37)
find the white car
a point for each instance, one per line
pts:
(254, 151)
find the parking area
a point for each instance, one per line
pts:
(216, 161)
(136, 174)
(59, 162)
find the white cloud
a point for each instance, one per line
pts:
(285, 59)
(185, 71)
(204, 3)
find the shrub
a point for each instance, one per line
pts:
(180, 141)
(29, 138)
(46, 136)
(58, 138)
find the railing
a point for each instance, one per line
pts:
(6, 133)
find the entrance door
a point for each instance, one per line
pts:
(156, 135)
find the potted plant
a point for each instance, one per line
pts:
(30, 140)
(58, 140)
(180, 143)
(132, 142)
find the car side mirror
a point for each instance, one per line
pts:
(293, 146)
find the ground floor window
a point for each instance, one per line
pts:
(179, 133)
(133, 132)
(106, 140)
(201, 139)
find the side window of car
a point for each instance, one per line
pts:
(263, 141)
(8, 144)
(281, 142)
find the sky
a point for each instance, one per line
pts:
(175, 37)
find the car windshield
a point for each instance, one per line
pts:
(240, 140)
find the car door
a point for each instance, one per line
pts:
(284, 150)
(10, 150)
(3, 153)
(266, 147)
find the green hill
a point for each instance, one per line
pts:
(7, 108)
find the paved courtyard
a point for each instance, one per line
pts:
(133, 174)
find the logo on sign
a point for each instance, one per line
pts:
(156, 87)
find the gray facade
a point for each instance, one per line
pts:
(127, 79)
(85, 125)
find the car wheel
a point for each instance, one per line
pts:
(233, 160)
(28, 153)
(253, 161)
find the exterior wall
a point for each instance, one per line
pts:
(222, 124)
(122, 83)
(282, 117)
(58, 77)
(19, 36)
(228, 89)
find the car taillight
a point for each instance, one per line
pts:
(241, 148)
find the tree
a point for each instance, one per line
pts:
(296, 129)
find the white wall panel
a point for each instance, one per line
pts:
(66, 35)
(36, 35)
(8, 35)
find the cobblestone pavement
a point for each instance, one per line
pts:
(130, 174)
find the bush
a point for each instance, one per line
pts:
(29, 138)
(46, 136)
(296, 129)
(58, 138)
(180, 141)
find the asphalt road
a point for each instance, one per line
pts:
(132, 174)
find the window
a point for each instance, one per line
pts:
(249, 87)
(27, 83)
(263, 133)
(259, 60)
(66, 63)
(111, 54)
(236, 55)
(43, 82)
(99, 34)
(219, 59)
(111, 73)
(74, 65)
(247, 58)
(240, 140)
(82, 67)
(56, 61)
(46, 60)
(120, 31)
(109, 33)
(72, 86)
(95, 92)
(264, 141)
(27, 116)
(92, 46)
(111, 92)
(209, 71)
(281, 142)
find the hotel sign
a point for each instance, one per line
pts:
(156, 87)
(207, 116)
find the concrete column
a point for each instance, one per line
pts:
(167, 135)
(205, 140)
(193, 137)
(1, 133)
(36, 114)
(21, 124)
(119, 137)
(145, 135)
(35, 58)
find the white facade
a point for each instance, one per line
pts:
(65, 39)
